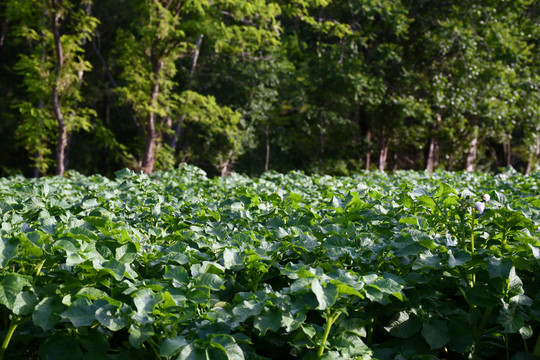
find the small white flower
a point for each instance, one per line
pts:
(486, 197)
(480, 206)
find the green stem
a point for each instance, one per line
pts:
(506, 346)
(473, 276)
(485, 318)
(369, 338)
(39, 267)
(12, 326)
(329, 322)
(536, 351)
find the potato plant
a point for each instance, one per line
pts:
(179, 266)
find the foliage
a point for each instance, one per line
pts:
(180, 266)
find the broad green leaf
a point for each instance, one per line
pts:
(268, 320)
(145, 300)
(139, 334)
(178, 273)
(326, 296)
(61, 346)
(211, 281)
(482, 296)
(510, 319)
(351, 344)
(81, 312)
(404, 325)
(436, 333)
(172, 346)
(126, 253)
(234, 352)
(515, 285)
(444, 190)
(111, 317)
(25, 302)
(427, 260)
(10, 286)
(247, 308)
(46, 313)
(8, 250)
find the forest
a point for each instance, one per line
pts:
(248, 86)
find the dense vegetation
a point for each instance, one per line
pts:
(321, 85)
(179, 266)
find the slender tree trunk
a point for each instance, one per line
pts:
(507, 151)
(383, 152)
(535, 154)
(225, 165)
(433, 150)
(267, 143)
(62, 131)
(180, 122)
(471, 156)
(368, 153)
(320, 148)
(149, 159)
(3, 33)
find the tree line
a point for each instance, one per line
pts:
(329, 86)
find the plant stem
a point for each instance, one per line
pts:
(329, 322)
(473, 276)
(12, 326)
(39, 267)
(536, 351)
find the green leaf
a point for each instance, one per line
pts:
(211, 281)
(124, 173)
(436, 333)
(111, 317)
(268, 320)
(481, 295)
(46, 313)
(326, 296)
(81, 312)
(139, 334)
(510, 319)
(126, 253)
(10, 286)
(234, 352)
(61, 346)
(25, 302)
(444, 190)
(172, 346)
(145, 300)
(247, 308)
(404, 325)
(8, 250)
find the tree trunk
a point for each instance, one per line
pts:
(149, 156)
(471, 156)
(507, 153)
(320, 148)
(368, 153)
(267, 143)
(3, 34)
(383, 152)
(533, 156)
(62, 131)
(149, 159)
(226, 165)
(433, 150)
(180, 122)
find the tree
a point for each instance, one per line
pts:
(164, 32)
(52, 74)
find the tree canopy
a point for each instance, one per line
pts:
(234, 85)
